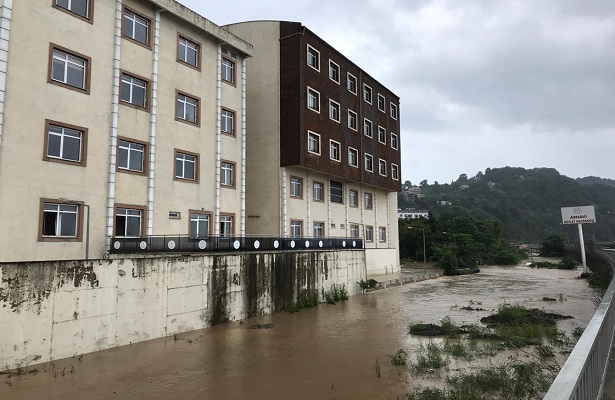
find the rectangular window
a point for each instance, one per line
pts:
(334, 150)
(353, 157)
(200, 223)
(382, 234)
(80, 8)
(313, 58)
(227, 173)
(351, 83)
(313, 100)
(318, 194)
(296, 187)
(296, 228)
(187, 108)
(228, 71)
(69, 69)
(367, 93)
(131, 156)
(336, 192)
(60, 220)
(186, 166)
(319, 229)
(136, 27)
(354, 230)
(394, 143)
(369, 233)
(353, 198)
(352, 120)
(395, 172)
(188, 52)
(334, 72)
(393, 111)
(367, 128)
(226, 225)
(382, 167)
(313, 143)
(367, 198)
(369, 163)
(382, 135)
(134, 91)
(382, 103)
(334, 110)
(228, 121)
(65, 143)
(128, 221)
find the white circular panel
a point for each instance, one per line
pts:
(354, 243)
(116, 245)
(292, 244)
(276, 244)
(202, 245)
(344, 243)
(236, 244)
(307, 243)
(257, 244)
(171, 244)
(143, 245)
(320, 244)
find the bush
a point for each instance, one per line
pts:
(567, 263)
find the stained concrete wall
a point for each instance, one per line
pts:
(53, 310)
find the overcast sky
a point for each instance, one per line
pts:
(483, 83)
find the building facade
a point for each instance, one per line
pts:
(324, 149)
(117, 118)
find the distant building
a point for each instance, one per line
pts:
(464, 187)
(407, 213)
(444, 203)
(491, 184)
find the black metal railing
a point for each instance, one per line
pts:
(192, 244)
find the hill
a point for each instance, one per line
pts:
(527, 201)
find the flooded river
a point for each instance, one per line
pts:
(328, 352)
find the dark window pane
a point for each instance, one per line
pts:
(53, 146)
(179, 168)
(123, 163)
(80, 7)
(191, 57)
(75, 76)
(68, 225)
(72, 148)
(127, 25)
(136, 161)
(138, 96)
(191, 113)
(62, 3)
(125, 91)
(134, 226)
(120, 225)
(189, 172)
(141, 33)
(194, 228)
(57, 70)
(49, 223)
(180, 109)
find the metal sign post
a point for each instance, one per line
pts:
(579, 215)
(582, 244)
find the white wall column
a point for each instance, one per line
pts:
(243, 149)
(152, 131)
(218, 140)
(6, 10)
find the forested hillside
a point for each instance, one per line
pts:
(528, 202)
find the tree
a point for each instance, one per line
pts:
(424, 183)
(553, 246)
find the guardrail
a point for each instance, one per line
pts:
(582, 376)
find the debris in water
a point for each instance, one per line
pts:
(262, 326)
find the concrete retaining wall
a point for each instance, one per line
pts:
(53, 310)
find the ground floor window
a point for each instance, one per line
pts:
(128, 222)
(369, 233)
(296, 228)
(319, 229)
(60, 220)
(354, 231)
(382, 234)
(199, 224)
(226, 225)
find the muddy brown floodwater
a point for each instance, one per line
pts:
(327, 352)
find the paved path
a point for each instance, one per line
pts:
(407, 274)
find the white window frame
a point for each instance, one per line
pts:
(368, 204)
(382, 132)
(384, 103)
(356, 198)
(317, 67)
(332, 145)
(319, 229)
(369, 233)
(200, 219)
(227, 174)
(126, 214)
(65, 134)
(183, 157)
(226, 225)
(368, 89)
(348, 80)
(331, 63)
(313, 94)
(184, 102)
(354, 231)
(395, 171)
(56, 209)
(294, 225)
(394, 135)
(334, 105)
(356, 157)
(331, 195)
(134, 82)
(382, 166)
(70, 8)
(315, 136)
(393, 111)
(368, 127)
(130, 149)
(382, 234)
(69, 60)
(296, 187)
(136, 19)
(228, 118)
(228, 70)
(318, 188)
(356, 122)
(371, 162)
(186, 45)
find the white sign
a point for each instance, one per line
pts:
(578, 215)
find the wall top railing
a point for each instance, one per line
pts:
(582, 376)
(204, 244)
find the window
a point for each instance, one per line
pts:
(134, 91)
(367, 128)
(296, 228)
(296, 187)
(228, 71)
(131, 156)
(227, 173)
(382, 234)
(336, 192)
(187, 108)
(381, 103)
(354, 230)
(65, 143)
(334, 72)
(318, 191)
(60, 220)
(393, 111)
(369, 163)
(334, 150)
(382, 167)
(394, 172)
(188, 52)
(334, 110)
(313, 98)
(353, 198)
(353, 157)
(394, 143)
(80, 8)
(313, 143)
(200, 223)
(228, 121)
(367, 93)
(367, 198)
(136, 27)
(186, 166)
(352, 120)
(351, 83)
(226, 225)
(313, 58)
(382, 135)
(128, 221)
(369, 233)
(319, 229)
(69, 69)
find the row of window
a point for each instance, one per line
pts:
(335, 154)
(296, 230)
(313, 60)
(336, 193)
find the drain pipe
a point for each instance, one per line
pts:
(310, 231)
(243, 147)
(376, 226)
(218, 140)
(284, 204)
(346, 212)
(6, 9)
(117, 41)
(388, 220)
(152, 132)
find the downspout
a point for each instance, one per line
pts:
(117, 41)
(6, 9)
(218, 141)
(388, 220)
(346, 210)
(327, 195)
(310, 231)
(376, 227)
(152, 132)
(284, 205)
(243, 148)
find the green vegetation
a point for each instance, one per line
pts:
(368, 284)
(565, 263)
(337, 293)
(306, 298)
(429, 358)
(552, 246)
(399, 358)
